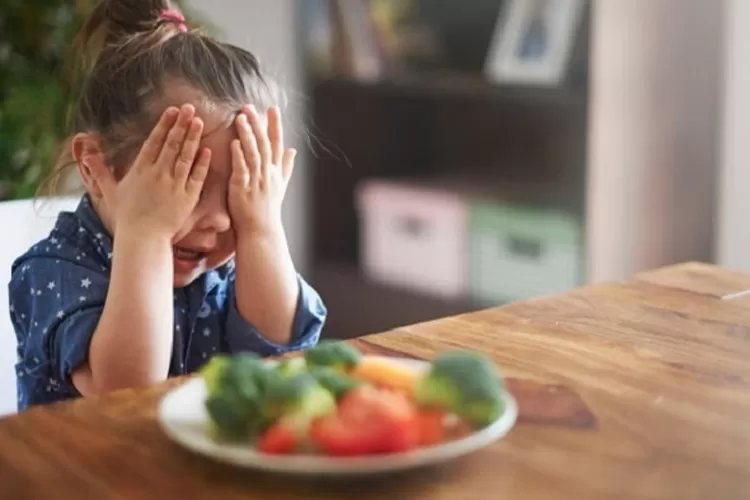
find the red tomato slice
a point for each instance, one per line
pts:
(431, 427)
(336, 437)
(369, 420)
(278, 439)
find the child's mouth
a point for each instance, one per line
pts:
(188, 255)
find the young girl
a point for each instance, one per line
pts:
(184, 169)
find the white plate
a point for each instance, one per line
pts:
(183, 417)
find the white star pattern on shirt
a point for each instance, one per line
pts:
(38, 292)
(85, 283)
(33, 292)
(12, 309)
(206, 332)
(53, 240)
(60, 314)
(51, 285)
(82, 298)
(99, 236)
(177, 328)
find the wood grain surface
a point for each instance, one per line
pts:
(638, 390)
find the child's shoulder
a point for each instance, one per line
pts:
(69, 243)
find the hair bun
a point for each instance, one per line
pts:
(113, 21)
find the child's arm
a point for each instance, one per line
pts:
(303, 320)
(267, 289)
(131, 345)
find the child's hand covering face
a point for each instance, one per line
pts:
(161, 189)
(261, 169)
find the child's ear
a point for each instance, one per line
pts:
(92, 167)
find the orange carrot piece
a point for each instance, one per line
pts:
(385, 373)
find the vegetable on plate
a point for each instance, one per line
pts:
(332, 400)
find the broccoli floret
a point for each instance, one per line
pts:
(300, 397)
(291, 366)
(336, 382)
(231, 418)
(213, 371)
(333, 354)
(464, 383)
(235, 387)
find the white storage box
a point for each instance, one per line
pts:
(414, 237)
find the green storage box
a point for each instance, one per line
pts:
(518, 252)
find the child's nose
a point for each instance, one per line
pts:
(215, 220)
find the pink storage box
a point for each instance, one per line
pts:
(414, 236)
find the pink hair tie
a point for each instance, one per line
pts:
(175, 17)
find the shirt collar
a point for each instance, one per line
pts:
(90, 222)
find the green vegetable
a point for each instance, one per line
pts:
(333, 354)
(300, 397)
(464, 383)
(212, 372)
(235, 394)
(336, 382)
(291, 366)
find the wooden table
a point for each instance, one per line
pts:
(636, 390)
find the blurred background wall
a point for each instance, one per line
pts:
(733, 236)
(656, 95)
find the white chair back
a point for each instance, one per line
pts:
(24, 222)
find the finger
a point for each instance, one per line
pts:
(153, 144)
(275, 135)
(261, 138)
(249, 146)
(287, 163)
(173, 145)
(199, 172)
(189, 149)
(240, 179)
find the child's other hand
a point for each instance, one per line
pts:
(164, 183)
(261, 169)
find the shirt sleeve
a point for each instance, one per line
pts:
(309, 320)
(56, 305)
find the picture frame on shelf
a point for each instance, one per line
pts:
(533, 41)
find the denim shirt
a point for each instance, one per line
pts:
(57, 291)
